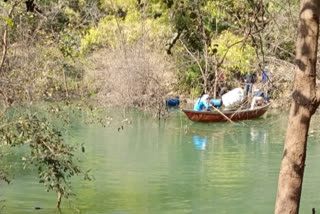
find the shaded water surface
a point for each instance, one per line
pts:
(173, 166)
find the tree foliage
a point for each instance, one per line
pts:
(43, 145)
(239, 56)
(47, 151)
(126, 25)
(39, 60)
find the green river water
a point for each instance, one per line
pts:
(173, 166)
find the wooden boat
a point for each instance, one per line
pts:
(215, 116)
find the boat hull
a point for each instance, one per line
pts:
(215, 116)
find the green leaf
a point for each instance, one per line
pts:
(9, 21)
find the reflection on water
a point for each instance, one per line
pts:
(154, 167)
(199, 143)
(258, 135)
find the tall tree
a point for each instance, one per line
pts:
(305, 101)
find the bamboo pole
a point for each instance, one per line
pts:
(225, 116)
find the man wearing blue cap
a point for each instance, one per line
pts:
(203, 103)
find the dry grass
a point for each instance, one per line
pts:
(134, 77)
(281, 81)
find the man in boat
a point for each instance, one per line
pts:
(203, 103)
(259, 98)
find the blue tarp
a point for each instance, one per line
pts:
(173, 102)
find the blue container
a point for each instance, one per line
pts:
(216, 102)
(173, 102)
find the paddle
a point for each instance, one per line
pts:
(222, 114)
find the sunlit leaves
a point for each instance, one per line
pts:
(102, 36)
(73, 16)
(116, 32)
(8, 21)
(190, 80)
(238, 58)
(117, 4)
(215, 9)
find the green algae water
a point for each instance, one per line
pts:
(172, 166)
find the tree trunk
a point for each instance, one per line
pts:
(59, 198)
(215, 82)
(303, 106)
(4, 41)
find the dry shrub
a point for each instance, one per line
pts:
(40, 73)
(281, 81)
(134, 77)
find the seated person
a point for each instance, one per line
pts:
(258, 99)
(203, 103)
(260, 93)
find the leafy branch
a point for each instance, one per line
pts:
(53, 158)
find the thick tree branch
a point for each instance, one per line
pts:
(193, 57)
(5, 36)
(172, 42)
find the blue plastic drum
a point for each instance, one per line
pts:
(216, 102)
(173, 102)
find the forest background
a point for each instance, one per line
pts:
(129, 53)
(136, 53)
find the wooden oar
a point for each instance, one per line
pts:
(243, 104)
(225, 116)
(240, 107)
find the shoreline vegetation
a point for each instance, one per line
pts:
(134, 54)
(129, 53)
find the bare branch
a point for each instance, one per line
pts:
(5, 35)
(193, 56)
(225, 54)
(172, 42)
